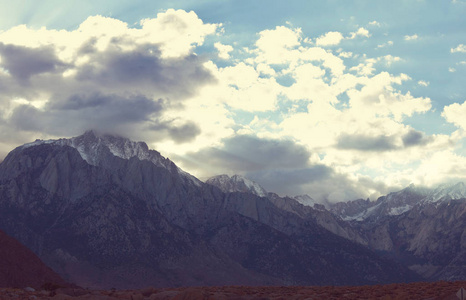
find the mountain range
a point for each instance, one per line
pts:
(106, 212)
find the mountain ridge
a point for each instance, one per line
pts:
(127, 223)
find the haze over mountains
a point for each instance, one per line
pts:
(104, 211)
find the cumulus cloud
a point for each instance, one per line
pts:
(411, 37)
(223, 50)
(389, 43)
(360, 32)
(106, 76)
(329, 39)
(454, 113)
(423, 83)
(23, 62)
(459, 48)
(276, 46)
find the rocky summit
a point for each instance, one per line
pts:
(105, 212)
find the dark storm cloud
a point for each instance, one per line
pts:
(178, 133)
(267, 153)
(247, 153)
(415, 138)
(279, 166)
(381, 143)
(23, 62)
(144, 69)
(366, 143)
(115, 91)
(290, 181)
(81, 112)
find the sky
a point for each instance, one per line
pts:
(337, 99)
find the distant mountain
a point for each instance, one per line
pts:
(391, 205)
(20, 267)
(422, 228)
(315, 212)
(105, 212)
(447, 192)
(397, 203)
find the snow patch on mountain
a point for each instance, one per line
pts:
(237, 183)
(305, 200)
(90, 144)
(396, 211)
(447, 192)
(397, 203)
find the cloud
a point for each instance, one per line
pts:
(411, 37)
(415, 138)
(389, 43)
(345, 54)
(245, 153)
(423, 83)
(360, 32)
(275, 46)
(291, 182)
(22, 62)
(460, 48)
(454, 113)
(144, 69)
(176, 131)
(442, 166)
(381, 143)
(223, 50)
(366, 143)
(329, 39)
(109, 113)
(389, 59)
(106, 76)
(280, 166)
(374, 23)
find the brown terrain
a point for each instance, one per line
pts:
(20, 267)
(441, 290)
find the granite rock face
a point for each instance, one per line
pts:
(107, 212)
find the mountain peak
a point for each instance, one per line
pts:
(94, 146)
(448, 191)
(237, 183)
